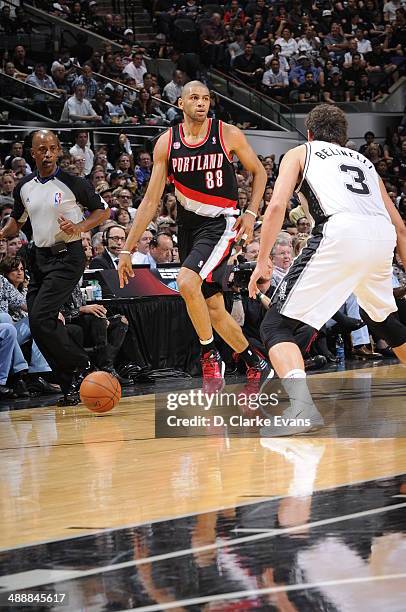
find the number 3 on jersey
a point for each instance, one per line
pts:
(214, 179)
(358, 184)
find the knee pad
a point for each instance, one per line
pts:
(276, 328)
(391, 329)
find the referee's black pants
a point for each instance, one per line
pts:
(52, 280)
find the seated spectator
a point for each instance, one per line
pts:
(7, 184)
(79, 110)
(60, 78)
(160, 249)
(123, 218)
(21, 63)
(41, 80)
(136, 69)
(234, 13)
(335, 41)
(213, 38)
(116, 108)
(275, 81)
(309, 91)
(8, 340)
(352, 73)
(19, 167)
(276, 54)
(303, 225)
(86, 79)
(140, 256)
(287, 43)
(102, 336)
(11, 71)
(100, 107)
(169, 205)
(364, 91)
(248, 67)
(369, 138)
(82, 147)
(173, 90)
(142, 106)
(297, 74)
(125, 201)
(13, 309)
(363, 44)
(309, 42)
(144, 168)
(335, 90)
(112, 241)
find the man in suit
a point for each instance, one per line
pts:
(113, 240)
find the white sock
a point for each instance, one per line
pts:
(296, 387)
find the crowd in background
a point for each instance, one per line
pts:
(294, 51)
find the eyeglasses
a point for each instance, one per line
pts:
(117, 238)
(125, 197)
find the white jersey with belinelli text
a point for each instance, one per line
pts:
(339, 180)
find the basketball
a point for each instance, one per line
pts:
(100, 391)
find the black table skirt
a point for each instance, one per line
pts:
(160, 333)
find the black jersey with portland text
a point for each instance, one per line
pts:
(203, 175)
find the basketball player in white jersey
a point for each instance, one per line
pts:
(351, 248)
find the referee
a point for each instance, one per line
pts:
(53, 201)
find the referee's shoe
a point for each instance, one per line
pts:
(71, 395)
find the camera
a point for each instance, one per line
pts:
(241, 275)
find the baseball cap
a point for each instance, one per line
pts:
(128, 31)
(327, 13)
(335, 70)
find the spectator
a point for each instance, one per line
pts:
(335, 41)
(144, 168)
(251, 251)
(7, 184)
(141, 256)
(86, 79)
(21, 63)
(287, 43)
(41, 80)
(275, 81)
(19, 167)
(248, 67)
(335, 90)
(160, 249)
(81, 147)
(173, 90)
(78, 109)
(303, 225)
(297, 74)
(369, 138)
(100, 107)
(283, 62)
(309, 91)
(213, 38)
(79, 161)
(136, 69)
(60, 78)
(125, 200)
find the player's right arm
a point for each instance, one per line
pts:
(148, 206)
(397, 222)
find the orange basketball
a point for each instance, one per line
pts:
(100, 391)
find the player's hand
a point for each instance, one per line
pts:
(244, 226)
(67, 226)
(98, 310)
(125, 269)
(260, 271)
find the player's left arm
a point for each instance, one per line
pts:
(397, 222)
(236, 142)
(289, 173)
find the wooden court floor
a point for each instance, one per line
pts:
(66, 473)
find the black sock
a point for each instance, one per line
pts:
(249, 356)
(206, 348)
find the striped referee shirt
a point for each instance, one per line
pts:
(43, 200)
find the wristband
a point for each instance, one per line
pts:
(125, 252)
(250, 212)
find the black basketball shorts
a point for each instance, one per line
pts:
(205, 250)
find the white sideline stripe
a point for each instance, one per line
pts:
(218, 544)
(29, 579)
(264, 591)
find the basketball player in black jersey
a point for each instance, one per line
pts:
(196, 156)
